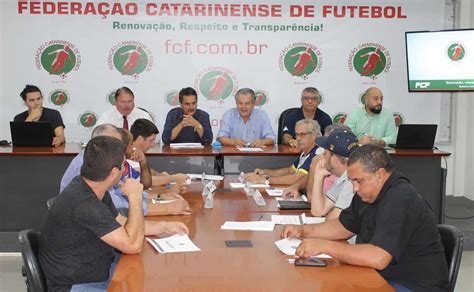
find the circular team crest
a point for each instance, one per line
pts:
(172, 98)
(339, 118)
(399, 119)
(362, 98)
(59, 97)
(88, 119)
(456, 52)
(370, 60)
(130, 58)
(58, 58)
(111, 97)
(301, 60)
(216, 83)
(261, 98)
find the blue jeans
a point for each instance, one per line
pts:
(96, 286)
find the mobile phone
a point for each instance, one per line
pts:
(310, 262)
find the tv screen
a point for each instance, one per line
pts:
(440, 60)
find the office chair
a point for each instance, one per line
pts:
(50, 202)
(453, 246)
(281, 121)
(29, 241)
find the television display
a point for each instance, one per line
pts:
(440, 60)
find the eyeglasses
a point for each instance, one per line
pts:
(302, 134)
(308, 98)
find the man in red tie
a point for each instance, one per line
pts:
(125, 113)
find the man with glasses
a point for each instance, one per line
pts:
(307, 131)
(310, 100)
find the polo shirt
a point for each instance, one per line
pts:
(381, 126)
(257, 127)
(48, 115)
(320, 116)
(303, 163)
(402, 223)
(341, 192)
(187, 134)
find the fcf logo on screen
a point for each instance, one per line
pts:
(58, 57)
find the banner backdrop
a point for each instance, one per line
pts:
(80, 52)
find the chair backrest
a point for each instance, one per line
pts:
(50, 202)
(29, 242)
(281, 121)
(453, 247)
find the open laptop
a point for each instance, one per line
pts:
(415, 136)
(31, 133)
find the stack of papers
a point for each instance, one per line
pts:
(186, 146)
(296, 219)
(241, 185)
(289, 246)
(206, 176)
(175, 243)
(274, 192)
(249, 149)
(249, 225)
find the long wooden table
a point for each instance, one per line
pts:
(218, 268)
(31, 175)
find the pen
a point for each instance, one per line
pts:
(261, 217)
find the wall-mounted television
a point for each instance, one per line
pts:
(440, 60)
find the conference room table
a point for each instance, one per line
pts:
(262, 267)
(29, 176)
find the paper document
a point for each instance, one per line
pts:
(249, 225)
(186, 146)
(273, 192)
(296, 219)
(206, 176)
(289, 246)
(241, 186)
(175, 243)
(155, 201)
(249, 149)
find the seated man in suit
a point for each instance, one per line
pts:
(33, 99)
(187, 123)
(372, 123)
(83, 228)
(310, 100)
(307, 131)
(124, 114)
(246, 125)
(396, 230)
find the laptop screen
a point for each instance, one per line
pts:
(416, 136)
(31, 133)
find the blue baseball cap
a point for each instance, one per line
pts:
(340, 142)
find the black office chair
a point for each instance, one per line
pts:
(50, 202)
(453, 247)
(281, 121)
(29, 242)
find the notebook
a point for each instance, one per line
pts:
(31, 133)
(415, 136)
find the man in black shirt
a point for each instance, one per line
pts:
(82, 229)
(33, 99)
(395, 227)
(187, 123)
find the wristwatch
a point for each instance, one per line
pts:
(199, 127)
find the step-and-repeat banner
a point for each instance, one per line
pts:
(80, 52)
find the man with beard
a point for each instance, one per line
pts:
(187, 123)
(372, 123)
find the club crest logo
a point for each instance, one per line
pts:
(261, 98)
(110, 98)
(172, 98)
(456, 52)
(88, 119)
(216, 83)
(59, 97)
(362, 98)
(58, 58)
(399, 119)
(370, 60)
(130, 58)
(301, 59)
(339, 118)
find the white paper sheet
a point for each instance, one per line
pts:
(206, 176)
(249, 149)
(186, 146)
(273, 192)
(249, 225)
(155, 201)
(175, 243)
(289, 246)
(241, 186)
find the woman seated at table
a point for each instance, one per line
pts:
(33, 99)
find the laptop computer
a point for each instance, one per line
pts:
(31, 133)
(415, 136)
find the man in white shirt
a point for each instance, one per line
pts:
(125, 113)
